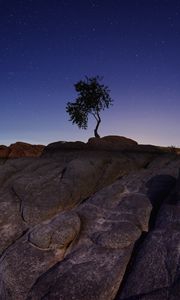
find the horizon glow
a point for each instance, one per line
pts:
(47, 46)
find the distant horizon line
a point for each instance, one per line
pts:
(34, 142)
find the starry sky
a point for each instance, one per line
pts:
(48, 45)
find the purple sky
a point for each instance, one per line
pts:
(48, 45)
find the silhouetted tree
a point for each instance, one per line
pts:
(92, 98)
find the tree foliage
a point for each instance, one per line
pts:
(92, 98)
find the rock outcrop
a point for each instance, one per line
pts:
(90, 221)
(20, 149)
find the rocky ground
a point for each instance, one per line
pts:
(20, 149)
(95, 221)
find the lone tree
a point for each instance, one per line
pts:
(92, 98)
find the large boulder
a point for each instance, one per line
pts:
(74, 221)
(35, 189)
(20, 149)
(111, 143)
(97, 263)
(63, 185)
(113, 221)
(63, 146)
(4, 151)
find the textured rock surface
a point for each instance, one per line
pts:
(111, 143)
(35, 252)
(20, 149)
(4, 151)
(83, 224)
(158, 257)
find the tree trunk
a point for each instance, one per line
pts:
(97, 126)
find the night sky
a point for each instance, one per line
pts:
(48, 45)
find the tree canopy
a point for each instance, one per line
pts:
(92, 98)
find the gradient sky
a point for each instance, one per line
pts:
(48, 45)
